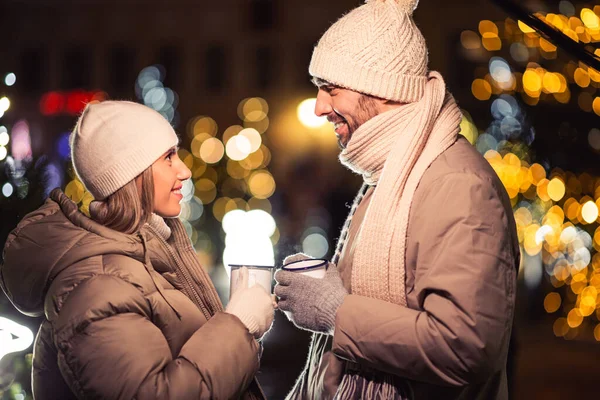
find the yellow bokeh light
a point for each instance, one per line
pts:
(552, 302)
(486, 26)
(261, 126)
(491, 41)
(231, 132)
(589, 212)
(594, 75)
(597, 332)
(542, 190)
(556, 189)
(579, 282)
(203, 126)
(560, 327)
(596, 244)
(266, 156)
(205, 190)
(468, 129)
(211, 151)
(582, 78)
(253, 137)
(74, 190)
(222, 206)
(253, 161)
(590, 19)
(261, 184)
(186, 157)
(196, 143)
(525, 28)
(532, 247)
(536, 173)
(547, 46)
(253, 109)
(574, 318)
(236, 170)
(596, 105)
(572, 210)
(260, 204)
(481, 89)
(199, 168)
(532, 83)
(470, 40)
(306, 114)
(238, 147)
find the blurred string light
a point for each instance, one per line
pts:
(150, 89)
(526, 47)
(230, 181)
(68, 103)
(556, 211)
(557, 217)
(10, 79)
(14, 337)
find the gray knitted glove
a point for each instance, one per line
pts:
(310, 303)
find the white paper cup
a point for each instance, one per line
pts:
(261, 274)
(313, 267)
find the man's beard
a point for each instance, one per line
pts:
(365, 110)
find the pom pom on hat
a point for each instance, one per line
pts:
(408, 6)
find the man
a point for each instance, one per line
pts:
(418, 301)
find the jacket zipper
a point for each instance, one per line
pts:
(187, 280)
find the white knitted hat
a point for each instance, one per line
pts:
(375, 49)
(115, 141)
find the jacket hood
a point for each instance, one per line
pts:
(49, 240)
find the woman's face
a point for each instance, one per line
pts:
(169, 172)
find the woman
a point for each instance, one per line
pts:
(129, 311)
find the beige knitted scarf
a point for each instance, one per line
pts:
(392, 151)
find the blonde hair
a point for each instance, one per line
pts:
(130, 207)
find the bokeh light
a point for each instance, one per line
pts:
(10, 79)
(7, 189)
(212, 151)
(307, 116)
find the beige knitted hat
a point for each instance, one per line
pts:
(115, 141)
(375, 49)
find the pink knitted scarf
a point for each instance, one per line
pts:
(392, 151)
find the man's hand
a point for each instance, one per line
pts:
(310, 303)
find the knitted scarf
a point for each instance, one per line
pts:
(392, 151)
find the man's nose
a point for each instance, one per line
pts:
(323, 104)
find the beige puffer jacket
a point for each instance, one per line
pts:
(126, 316)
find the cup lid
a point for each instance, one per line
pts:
(232, 266)
(312, 263)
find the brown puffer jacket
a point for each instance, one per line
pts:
(126, 316)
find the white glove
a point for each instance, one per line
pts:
(253, 306)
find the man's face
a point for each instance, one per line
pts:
(344, 108)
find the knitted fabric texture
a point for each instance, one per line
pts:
(393, 150)
(375, 49)
(115, 141)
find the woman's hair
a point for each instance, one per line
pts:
(127, 210)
